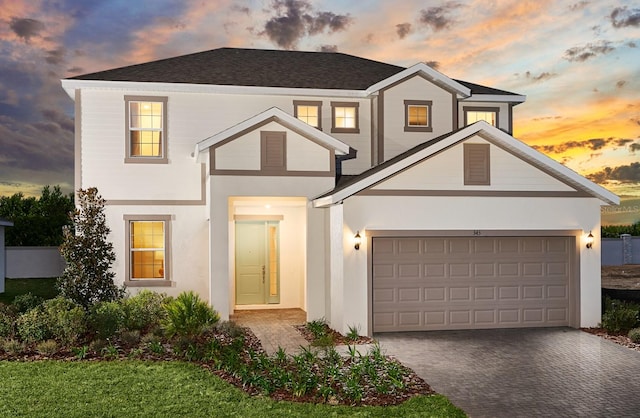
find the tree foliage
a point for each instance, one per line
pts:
(36, 221)
(88, 278)
(614, 231)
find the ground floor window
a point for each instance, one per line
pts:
(148, 248)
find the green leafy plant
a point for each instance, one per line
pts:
(317, 328)
(13, 347)
(619, 316)
(47, 348)
(80, 352)
(188, 315)
(26, 302)
(32, 326)
(634, 335)
(110, 351)
(66, 319)
(8, 318)
(130, 337)
(143, 311)
(354, 333)
(87, 278)
(106, 319)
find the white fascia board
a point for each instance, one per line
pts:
(428, 72)
(70, 85)
(509, 98)
(5, 223)
(281, 117)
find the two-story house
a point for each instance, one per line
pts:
(369, 194)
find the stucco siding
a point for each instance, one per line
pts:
(190, 119)
(481, 214)
(189, 246)
(396, 140)
(445, 171)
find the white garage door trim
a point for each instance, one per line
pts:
(445, 312)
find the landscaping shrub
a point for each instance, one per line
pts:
(144, 311)
(47, 348)
(106, 319)
(87, 278)
(26, 302)
(619, 316)
(13, 347)
(634, 335)
(188, 315)
(65, 318)
(32, 325)
(7, 320)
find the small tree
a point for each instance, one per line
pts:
(87, 279)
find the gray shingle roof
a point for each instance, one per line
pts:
(264, 68)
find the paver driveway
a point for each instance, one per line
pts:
(550, 372)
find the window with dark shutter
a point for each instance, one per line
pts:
(476, 164)
(273, 151)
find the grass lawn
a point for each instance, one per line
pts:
(45, 288)
(159, 389)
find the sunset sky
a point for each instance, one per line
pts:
(578, 63)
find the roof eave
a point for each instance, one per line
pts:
(426, 71)
(508, 98)
(524, 151)
(70, 85)
(281, 117)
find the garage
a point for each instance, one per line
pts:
(445, 283)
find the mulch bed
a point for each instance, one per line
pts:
(620, 339)
(413, 384)
(338, 338)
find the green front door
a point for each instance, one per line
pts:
(257, 262)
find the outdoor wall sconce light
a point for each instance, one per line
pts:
(357, 240)
(590, 240)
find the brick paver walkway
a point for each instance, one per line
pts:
(552, 372)
(274, 328)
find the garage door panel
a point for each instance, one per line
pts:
(461, 283)
(485, 293)
(532, 292)
(410, 294)
(435, 270)
(459, 293)
(433, 294)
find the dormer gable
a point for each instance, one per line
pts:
(272, 143)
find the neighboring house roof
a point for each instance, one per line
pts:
(5, 222)
(273, 68)
(281, 117)
(427, 149)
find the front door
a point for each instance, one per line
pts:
(257, 262)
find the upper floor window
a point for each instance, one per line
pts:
(308, 112)
(344, 116)
(475, 114)
(417, 116)
(146, 120)
(148, 249)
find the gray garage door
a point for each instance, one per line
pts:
(437, 283)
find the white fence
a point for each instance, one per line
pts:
(620, 251)
(33, 262)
